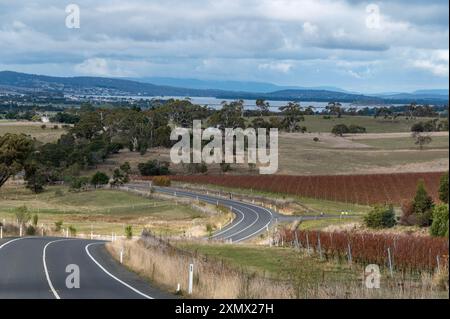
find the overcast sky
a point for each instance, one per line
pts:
(343, 43)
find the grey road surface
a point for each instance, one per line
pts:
(35, 268)
(251, 220)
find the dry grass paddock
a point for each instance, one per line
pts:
(167, 266)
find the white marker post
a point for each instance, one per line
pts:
(20, 231)
(67, 232)
(1, 232)
(191, 279)
(390, 262)
(438, 264)
(349, 253)
(121, 256)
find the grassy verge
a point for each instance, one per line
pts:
(108, 211)
(238, 271)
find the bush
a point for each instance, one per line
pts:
(423, 206)
(30, 230)
(129, 232)
(408, 218)
(225, 167)
(356, 129)
(99, 179)
(380, 217)
(78, 183)
(72, 231)
(154, 168)
(439, 227)
(340, 130)
(58, 225)
(34, 220)
(22, 215)
(162, 181)
(443, 188)
(196, 168)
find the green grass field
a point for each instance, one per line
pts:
(317, 123)
(106, 210)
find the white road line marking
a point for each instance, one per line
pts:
(245, 205)
(210, 200)
(47, 275)
(12, 240)
(111, 275)
(232, 226)
(249, 226)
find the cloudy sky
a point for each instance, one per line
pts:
(380, 46)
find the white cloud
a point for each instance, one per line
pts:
(436, 62)
(232, 39)
(109, 67)
(283, 67)
(93, 66)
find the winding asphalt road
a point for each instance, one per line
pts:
(35, 268)
(251, 220)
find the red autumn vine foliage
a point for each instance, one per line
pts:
(361, 189)
(408, 252)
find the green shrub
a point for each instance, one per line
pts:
(380, 217)
(22, 215)
(72, 231)
(99, 179)
(30, 230)
(209, 229)
(34, 220)
(423, 206)
(129, 232)
(154, 168)
(443, 188)
(340, 129)
(58, 225)
(439, 227)
(356, 129)
(78, 183)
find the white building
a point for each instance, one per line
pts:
(45, 119)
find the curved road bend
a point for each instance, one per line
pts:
(251, 220)
(35, 268)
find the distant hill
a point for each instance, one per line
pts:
(236, 86)
(26, 83)
(432, 92)
(425, 96)
(92, 85)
